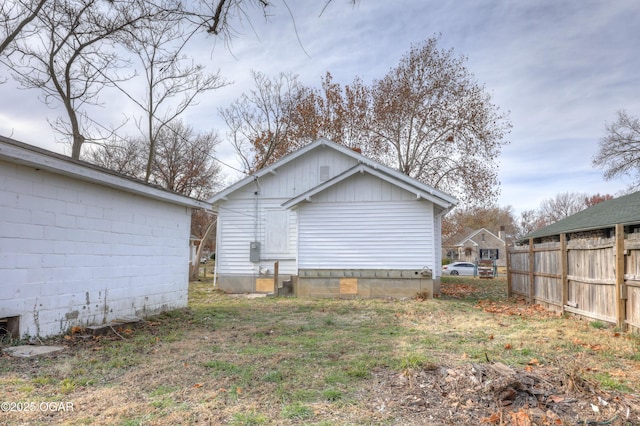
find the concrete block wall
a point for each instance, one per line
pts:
(77, 253)
(365, 283)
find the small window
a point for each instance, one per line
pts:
(325, 173)
(488, 254)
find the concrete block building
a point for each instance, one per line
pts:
(81, 245)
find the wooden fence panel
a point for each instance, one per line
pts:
(591, 276)
(520, 284)
(581, 272)
(519, 271)
(633, 305)
(548, 290)
(547, 281)
(632, 261)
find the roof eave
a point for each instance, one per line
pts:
(41, 159)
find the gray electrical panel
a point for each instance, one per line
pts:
(254, 251)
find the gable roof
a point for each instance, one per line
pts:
(365, 165)
(24, 154)
(461, 238)
(623, 210)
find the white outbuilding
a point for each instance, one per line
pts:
(81, 245)
(330, 223)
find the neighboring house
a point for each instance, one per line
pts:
(475, 245)
(337, 223)
(81, 245)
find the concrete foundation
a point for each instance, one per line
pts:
(349, 283)
(335, 283)
(236, 283)
(249, 283)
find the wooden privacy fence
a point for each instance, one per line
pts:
(594, 278)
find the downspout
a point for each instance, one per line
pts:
(256, 266)
(215, 261)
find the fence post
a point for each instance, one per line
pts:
(532, 265)
(620, 302)
(563, 270)
(276, 267)
(509, 293)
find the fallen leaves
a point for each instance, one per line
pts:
(458, 290)
(519, 308)
(592, 346)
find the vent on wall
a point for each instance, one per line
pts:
(325, 173)
(10, 327)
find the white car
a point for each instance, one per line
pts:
(204, 259)
(459, 268)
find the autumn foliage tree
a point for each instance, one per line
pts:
(427, 118)
(492, 218)
(335, 112)
(432, 121)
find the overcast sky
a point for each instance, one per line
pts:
(561, 68)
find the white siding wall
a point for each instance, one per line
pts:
(75, 253)
(303, 174)
(364, 222)
(238, 227)
(238, 224)
(374, 235)
(384, 228)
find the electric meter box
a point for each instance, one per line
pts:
(254, 251)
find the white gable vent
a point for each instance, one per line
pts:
(325, 173)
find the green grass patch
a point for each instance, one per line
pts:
(599, 325)
(297, 411)
(241, 361)
(250, 418)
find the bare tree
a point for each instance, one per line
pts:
(15, 17)
(124, 156)
(73, 57)
(562, 205)
(619, 150)
(224, 17)
(258, 122)
(557, 208)
(172, 81)
(185, 161)
(530, 221)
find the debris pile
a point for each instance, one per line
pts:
(501, 395)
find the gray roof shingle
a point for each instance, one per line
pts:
(623, 210)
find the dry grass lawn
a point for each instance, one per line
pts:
(470, 357)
